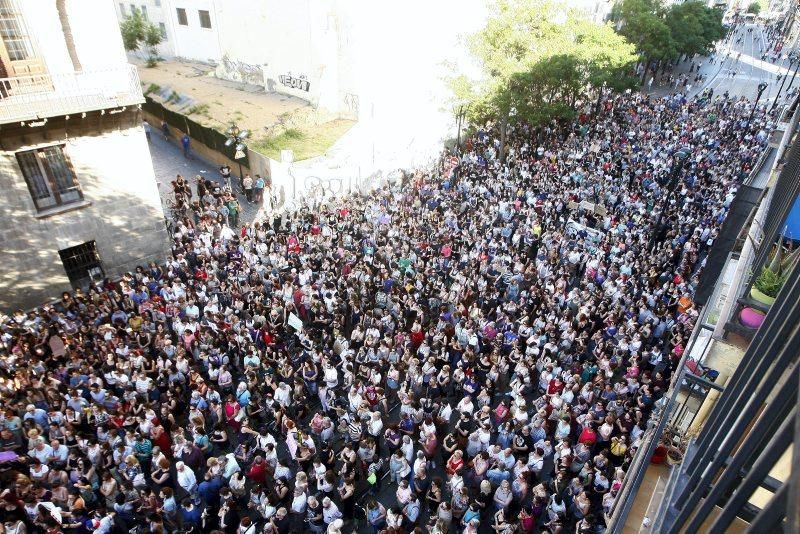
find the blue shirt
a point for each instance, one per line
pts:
(209, 490)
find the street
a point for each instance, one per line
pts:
(168, 162)
(743, 59)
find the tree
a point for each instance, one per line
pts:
(643, 24)
(754, 8)
(539, 60)
(694, 27)
(66, 30)
(137, 32)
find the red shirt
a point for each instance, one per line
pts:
(554, 388)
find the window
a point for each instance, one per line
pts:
(13, 32)
(82, 263)
(205, 19)
(133, 9)
(50, 177)
(163, 28)
(158, 3)
(182, 20)
(144, 12)
(122, 9)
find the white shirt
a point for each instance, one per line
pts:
(331, 513)
(186, 478)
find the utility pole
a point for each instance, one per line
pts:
(793, 62)
(761, 87)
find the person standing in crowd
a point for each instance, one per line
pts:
(258, 189)
(185, 143)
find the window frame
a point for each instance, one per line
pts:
(14, 34)
(143, 11)
(208, 16)
(163, 28)
(49, 179)
(183, 19)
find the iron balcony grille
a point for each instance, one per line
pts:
(38, 96)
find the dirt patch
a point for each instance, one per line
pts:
(190, 88)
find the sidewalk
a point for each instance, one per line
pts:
(736, 68)
(168, 162)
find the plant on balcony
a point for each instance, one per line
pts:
(767, 285)
(772, 277)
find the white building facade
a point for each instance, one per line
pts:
(80, 198)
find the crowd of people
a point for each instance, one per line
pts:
(475, 349)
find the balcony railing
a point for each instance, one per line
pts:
(38, 96)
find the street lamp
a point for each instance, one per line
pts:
(674, 179)
(236, 137)
(761, 87)
(792, 60)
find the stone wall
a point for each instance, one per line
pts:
(122, 209)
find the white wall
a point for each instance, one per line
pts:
(267, 40)
(192, 41)
(94, 28)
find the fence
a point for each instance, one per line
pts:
(209, 137)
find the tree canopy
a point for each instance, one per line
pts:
(663, 34)
(138, 33)
(539, 59)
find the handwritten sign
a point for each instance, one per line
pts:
(298, 82)
(295, 322)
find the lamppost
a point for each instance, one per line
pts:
(761, 87)
(792, 60)
(236, 137)
(674, 179)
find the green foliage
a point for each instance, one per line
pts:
(199, 109)
(540, 59)
(754, 8)
(643, 24)
(664, 34)
(770, 282)
(308, 142)
(152, 88)
(695, 27)
(138, 33)
(132, 29)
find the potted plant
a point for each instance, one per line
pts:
(674, 455)
(772, 277)
(766, 286)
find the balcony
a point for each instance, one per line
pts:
(38, 96)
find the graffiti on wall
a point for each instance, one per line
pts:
(238, 71)
(295, 82)
(352, 104)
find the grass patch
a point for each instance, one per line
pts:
(307, 142)
(200, 109)
(152, 88)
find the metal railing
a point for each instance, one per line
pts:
(38, 96)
